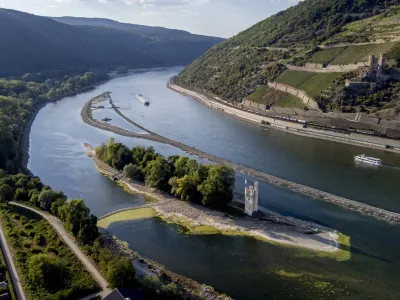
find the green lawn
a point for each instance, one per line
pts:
(265, 94)
(29, 235)
(312, 83)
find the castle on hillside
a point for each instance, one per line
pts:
(371, 74)
(251, 199)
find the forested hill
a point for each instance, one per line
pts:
(309, 22)
(234, 68)
(177, 47)
(30, 43)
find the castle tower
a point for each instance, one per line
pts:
(251, 199)
(372, 62)
(381, 67)
(382, 60)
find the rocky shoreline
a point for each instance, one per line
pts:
(376, 212)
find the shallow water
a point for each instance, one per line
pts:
(238, 266)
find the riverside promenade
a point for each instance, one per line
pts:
(379, 213)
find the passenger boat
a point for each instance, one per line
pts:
(368, 160)
(143, 100)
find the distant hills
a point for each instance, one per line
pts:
(237, 67)
(30, 43)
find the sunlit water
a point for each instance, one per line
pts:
(242, 267)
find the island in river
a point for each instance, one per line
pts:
(232, 264)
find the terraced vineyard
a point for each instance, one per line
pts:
(312, 83)
(353, 54)
(270, 96)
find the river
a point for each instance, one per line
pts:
(241, 267)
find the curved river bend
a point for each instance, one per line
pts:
(241, 267)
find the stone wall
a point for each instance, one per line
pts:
(254, 105)
(307, 101)
(320, 68)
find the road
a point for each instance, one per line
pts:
(16, 282)
(59, 227)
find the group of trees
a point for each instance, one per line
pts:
(75, 214)
(212, 185)
(77, 220)
(18, 100)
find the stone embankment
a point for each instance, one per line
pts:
(379, 213)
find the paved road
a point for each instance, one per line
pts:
(11, 267)
(59, 227)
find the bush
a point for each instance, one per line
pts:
(121, 273)
(49, 272)
(40, 240)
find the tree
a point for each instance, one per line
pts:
(121, 273)
(21, 195)
(56, 205)
(46, 198)
(217, 189)
(6, 193)
(48, 272)
(74, 214)
(181, 166)
(158, 173)
(134, 172)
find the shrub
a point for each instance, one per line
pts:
(49, 272)
(121, 273)
(40, 240)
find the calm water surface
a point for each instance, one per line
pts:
(241, 267)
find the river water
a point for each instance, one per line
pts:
(241, 267)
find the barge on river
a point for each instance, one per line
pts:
(368, 160)
(143, 100)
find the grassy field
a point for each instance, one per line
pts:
(30, 235)
(312, 83)
(270, 96)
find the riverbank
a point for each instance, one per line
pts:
(24, 136)
(379, 213)
(291, 127)
(198, 219)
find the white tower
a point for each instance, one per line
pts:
(251, 199)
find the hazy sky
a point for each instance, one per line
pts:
(211, 17)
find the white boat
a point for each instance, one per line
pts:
(143, 100)
(368, 160)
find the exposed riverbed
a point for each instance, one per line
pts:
(242, 267)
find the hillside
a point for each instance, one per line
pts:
(235, 68)
(31, 43)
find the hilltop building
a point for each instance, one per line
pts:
(251, 199)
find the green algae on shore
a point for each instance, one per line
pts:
(342, 254)
(132, 214)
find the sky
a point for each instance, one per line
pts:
(223, 18)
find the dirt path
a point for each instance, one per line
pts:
(16, 282)
(59, 227)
